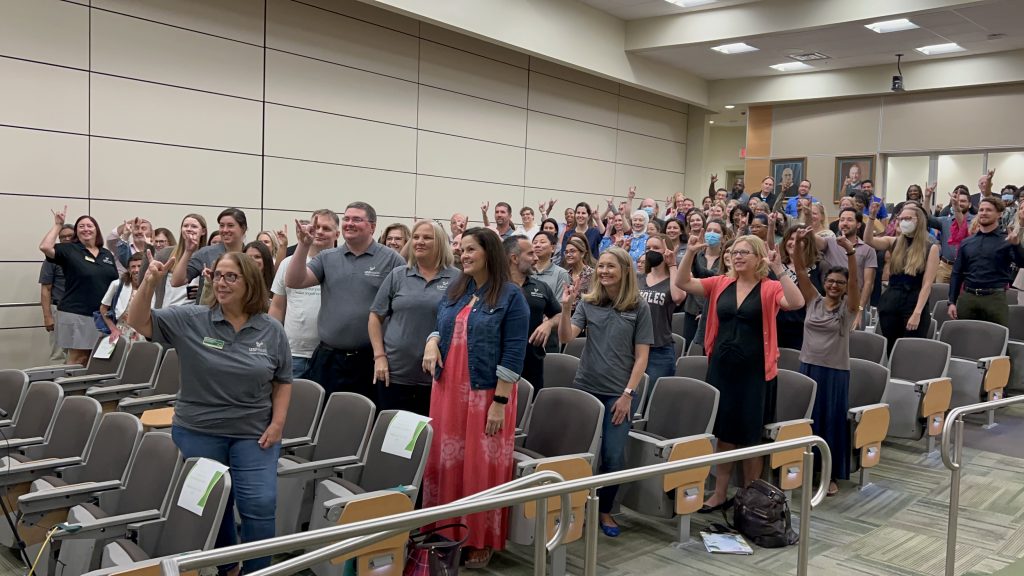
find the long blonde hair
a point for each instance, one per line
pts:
(760, 250)
(629, 293)
(911, 257)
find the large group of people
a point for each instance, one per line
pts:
(445, 322)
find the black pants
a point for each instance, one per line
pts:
(990, 308)
(894, 310)
(409, 397)
(690, 323)
(344, 371)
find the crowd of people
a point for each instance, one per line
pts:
(445, 322)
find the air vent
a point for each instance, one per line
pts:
(809, 56)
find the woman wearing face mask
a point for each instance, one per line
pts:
(657, 288)
(124, 290)
(705, 264)
(913, 263)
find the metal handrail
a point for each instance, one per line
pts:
(18, 304)
(953, 429)
(411, 520)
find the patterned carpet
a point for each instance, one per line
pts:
(896, 526)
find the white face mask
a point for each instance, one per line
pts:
(907, 227)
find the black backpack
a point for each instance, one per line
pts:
(762, 515)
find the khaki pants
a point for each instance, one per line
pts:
(57, 354)
(944, 272)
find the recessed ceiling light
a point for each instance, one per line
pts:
(690, 3)
(729, 106)
(737, 48)
(891, 26)
(940, 49)
(711, 122)
(790, 66)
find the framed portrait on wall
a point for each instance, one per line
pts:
(787, 173)
(850, 172)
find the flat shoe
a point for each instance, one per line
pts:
(478, 560)
(705, 509)
(611, 531)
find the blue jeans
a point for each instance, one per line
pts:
(253, 484)
(613, 448)
(661, 363)
(300, 367)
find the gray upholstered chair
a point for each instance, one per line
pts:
(560, 370)
(868, 346)
(978, 365)
(164, 391)
(304, 409)
(108, 367)
(919, 390)
(789, 359)
(693, 367)
(140, 371)
(868, 415)
(35, 417)
(575, 347)
(13, 385)
(794, 403)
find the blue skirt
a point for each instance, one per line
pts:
(831, 404)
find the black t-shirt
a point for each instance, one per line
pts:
(659, 299)
(543, 305)
(86, 277)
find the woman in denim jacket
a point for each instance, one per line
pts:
(476, 356)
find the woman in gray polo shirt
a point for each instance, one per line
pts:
(236, 374)
(409, 297)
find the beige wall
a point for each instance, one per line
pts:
(932, 122)
(165, 107)
(724, 152)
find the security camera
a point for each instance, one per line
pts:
(897, 83)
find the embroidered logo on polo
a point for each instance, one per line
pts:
(259, 348)
(372, 272)
(535, 293)
(442, 285)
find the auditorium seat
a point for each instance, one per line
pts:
(695, 349)
(139, 373)
(794, 403)
(695, 367)
(13, 385)
(868, 415)
(304, 409)
(574, 347)
(940, 313)
(979, 366)
(868, 346)
(108, 367)
(99, 517)
(939, 291)
(677, 323)
(180, 531)
(680, 344)
(524, 407)
(142, 367)
(341, 438)
(74, 426)
(560, 370)
(35, 418)
(1015, 349)
(563, 434)
(641, 392)
(378, 472)
(789, 359)
(919, 389)
(677, 424)
(164, 391)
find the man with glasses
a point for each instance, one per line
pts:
(349, 277)
(51, 290)
(835, 255)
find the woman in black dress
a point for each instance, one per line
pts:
(740, 341)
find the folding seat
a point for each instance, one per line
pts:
(933, 328)
(180, 531)
(35, 417)
(940, 291)
(868, 346)
(695, 367)
(575, 347)
(794, 403)
(143, 365)
(789, 359)
(13, 385)
(560, 370)
(164, 391)
(139, 373)
(304, 409)
(695, 349)
(868, 415)
(680, 344)
(341, 438)
(1015, 348)
(524, 406)
(677, 425)
(940, 313)
(919, 391)
(378, 472)
(979, 366)
(677, 323)
(102, 368)
(99, 516)
(51, 497)
(72, 432)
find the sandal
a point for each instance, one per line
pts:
(479, 558)
(833, 489)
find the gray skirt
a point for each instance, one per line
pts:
(76, 332)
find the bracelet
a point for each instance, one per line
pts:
(375, 356)
(851, 253)
(500, 399)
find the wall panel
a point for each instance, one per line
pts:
(48, 31)
(42, 163)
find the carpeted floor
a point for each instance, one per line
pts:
(896, 526)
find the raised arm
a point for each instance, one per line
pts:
(567, 332)
(179, 275)
(140, 314)
(684, 279)
(792, 299)
(483, 212)
(882, 243)
(803, 281)
(46, 246)
(852, 286)
(298, 274)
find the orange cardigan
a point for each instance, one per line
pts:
(771, 301)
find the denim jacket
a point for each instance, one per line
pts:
(496, 336)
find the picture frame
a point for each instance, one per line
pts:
(858, 167)
(787, 173)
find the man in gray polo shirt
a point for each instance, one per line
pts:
(349, 277)
(834, 255)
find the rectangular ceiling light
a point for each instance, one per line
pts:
(690, 3)
(940, 49)
(737, 48)
(790, 66)
(891, 26)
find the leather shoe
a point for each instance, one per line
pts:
(705, 509)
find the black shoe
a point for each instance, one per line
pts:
(723, 506)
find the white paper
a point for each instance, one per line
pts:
(402, 433)
(105, 350)
(199, 483)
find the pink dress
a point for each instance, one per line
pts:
(463, 459)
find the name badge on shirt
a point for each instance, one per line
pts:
(213, 343)
(90, 259)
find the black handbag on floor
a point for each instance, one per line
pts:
(762, 515)
(432, 554)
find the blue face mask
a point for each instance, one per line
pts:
(649, 210)
(712, 238)
(1008, 198)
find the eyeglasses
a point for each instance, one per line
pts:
(229, 277)
(353, 220)
(835, 282)
(742, 253)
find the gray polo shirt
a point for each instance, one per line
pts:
(348, 285)
(204, 258)
(835, 255)
(609, 355)
(409, 303)
(555, 277)
(226, 376)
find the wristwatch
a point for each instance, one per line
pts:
(501, 399)
(629, 392)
